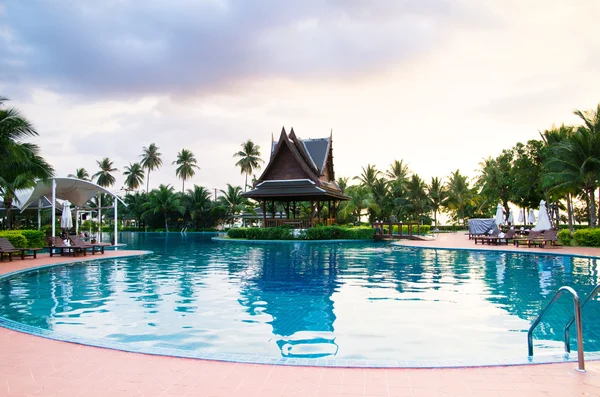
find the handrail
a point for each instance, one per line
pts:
(576, 309)
(593, 293)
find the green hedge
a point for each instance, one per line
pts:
(423, 228)
(587, 237)
(24, 238)
(315, 233)
(564, 237)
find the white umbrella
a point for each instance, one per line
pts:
(531, 217)
(543, 218)
(511, 217)
(66, 221)
(499, 218)
(521, 215)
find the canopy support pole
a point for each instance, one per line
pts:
(39, 215)
(99, 217)
(53, 207)
(115, 204)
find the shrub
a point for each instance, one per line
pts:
(587, 237)
(237, 233)
(15, 237)
(564, 237)
(35, 238)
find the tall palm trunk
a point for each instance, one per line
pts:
(246, 182)
(592, 206)
(148, 181)
(7, 205)
(166, 224)
(569, 213)
(182, 185)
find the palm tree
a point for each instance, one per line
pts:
(437, 196)
(104, 176)
(134, 176)
(342, 183)
(233, 200)
(186, 162)
(398, 171)
(162, 201)
(369, 176)
(21, 163)
(417, 197)
(249, 159)
(197, 202)
(150, 160)
(460, 194)
(360, 199)
(135, 206)
(80, 173)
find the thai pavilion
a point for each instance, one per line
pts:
(299, 170)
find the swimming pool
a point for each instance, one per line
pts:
(306, 303)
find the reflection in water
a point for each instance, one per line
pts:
(296, 300)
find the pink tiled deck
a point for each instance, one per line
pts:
(34, 366)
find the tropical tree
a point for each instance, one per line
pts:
(198, 204)
(104, 176)
(496, 180)
(21, 163)
(417, 196)
(342, 183)
(437, 196)
(233, 201)
(460, 195)
(398, 171)
(369, 176)
(134, 176)
(136, 206)
(361, 199)
(151, 161)
(249, 159)
(186, 166)
(163, 201)
(80, 173)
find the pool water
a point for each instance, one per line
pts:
(319, 301)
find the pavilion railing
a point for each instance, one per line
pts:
(298, 223)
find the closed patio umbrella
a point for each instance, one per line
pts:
(511, 217)
(543, 218)
(499, 218)
(531, 217)
(66, 220)
(521, 212)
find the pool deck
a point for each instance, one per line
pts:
(35, 366)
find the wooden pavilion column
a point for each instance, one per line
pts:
(272, 209)
(312, 213)
(263, 207)
(294, 206)
(287, 210)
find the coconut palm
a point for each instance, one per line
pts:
(150, 160)
(437, 196)
(360, 199)
(187, 163)
(197, 202)
(135, 206)
(398, 171)
(342, 183)
(20, 163)
(163, 201)
(80, 173)
(134, 176)
(233, 200)
(460, 194)
(249, 159)
(368, 176)
(104, 176)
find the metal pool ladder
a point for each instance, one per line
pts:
(577, 318)
(589, 297)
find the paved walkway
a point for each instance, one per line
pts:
(34, 366)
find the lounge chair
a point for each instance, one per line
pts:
(6, 246)
(8, 252)
(96, 247)
(487, 239)
(551, 237)
(534, 238)
(499, 240)
(56, 243)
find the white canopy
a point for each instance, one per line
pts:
(499, 218)
(77, 191)
(511, 217)
(543, 219)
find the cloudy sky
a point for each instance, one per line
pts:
(440, 84)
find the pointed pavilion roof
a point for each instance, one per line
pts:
(301, 169)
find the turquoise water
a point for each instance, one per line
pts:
(350, 301)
